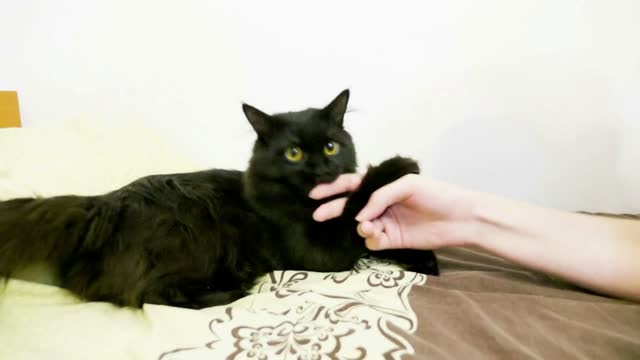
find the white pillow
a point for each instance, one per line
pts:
(81, 160)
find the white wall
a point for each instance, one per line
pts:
(534, 99)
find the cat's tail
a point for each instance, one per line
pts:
(45, 230)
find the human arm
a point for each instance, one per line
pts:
(597, 253)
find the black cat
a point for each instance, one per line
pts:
(201, 239)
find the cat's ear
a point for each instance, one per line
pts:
(338, 107)
(260, 121)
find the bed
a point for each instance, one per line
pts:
(480, 307)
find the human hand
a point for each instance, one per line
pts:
(420, 213)
(411, 212)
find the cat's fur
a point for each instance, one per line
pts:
(201, 239)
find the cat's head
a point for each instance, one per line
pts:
(303, 148)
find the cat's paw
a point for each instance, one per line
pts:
(387, 172)
(394, 168)
(376, 177)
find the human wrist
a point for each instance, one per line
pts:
(470, 215)
(492, 217)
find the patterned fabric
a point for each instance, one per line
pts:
(361, 314)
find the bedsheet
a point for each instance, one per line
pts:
(481, 307)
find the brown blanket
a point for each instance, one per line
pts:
(482, 307)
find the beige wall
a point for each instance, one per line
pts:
(534, 99)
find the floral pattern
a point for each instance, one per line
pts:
(300, 340)
(307, 315)
(385, 278)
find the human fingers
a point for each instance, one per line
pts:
(374, 236)
(344, 183)
(386, 196)
(329, 210)
(369, 228)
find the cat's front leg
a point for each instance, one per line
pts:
(192, 298)
(376, 177)
(422, 261)
(216, 298)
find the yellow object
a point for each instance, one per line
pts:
(9, 109)
(294, 154)
(332, 148)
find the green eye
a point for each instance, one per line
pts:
(293, 154)
(331, 148)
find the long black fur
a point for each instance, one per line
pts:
(201, 239)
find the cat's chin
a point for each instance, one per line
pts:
(325, 179)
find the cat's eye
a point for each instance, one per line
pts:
(331, 148)
(293, 154)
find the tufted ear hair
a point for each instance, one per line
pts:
(262, 123)
(336, 109)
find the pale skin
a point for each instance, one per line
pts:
(597, 253)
